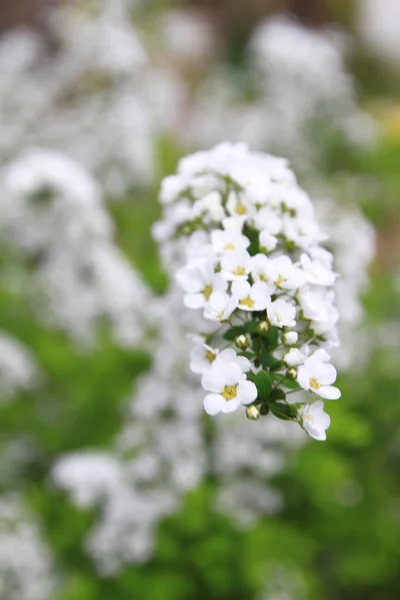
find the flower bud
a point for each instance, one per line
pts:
(291, 373)
(290, 338)
(242, 342)
(293, 358)
(264, 327)
(253, 413)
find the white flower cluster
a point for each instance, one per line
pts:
(157, 457)
(18, 370)
(340, 222)
(163, 451)
(300, 91)
(26, 569)
(97, 98)
(256, 269)
(53, 215)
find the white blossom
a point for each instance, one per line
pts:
(317, 376)
(314, 420)
(26, 566)
(229, 388)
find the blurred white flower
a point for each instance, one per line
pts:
(26, 567)
(18, 369)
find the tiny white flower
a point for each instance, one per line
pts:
(305, 233)
(229, 388)
(293, 358)
(251, 297)
(234, 223)
(267, 220)
(199, 281)
(171, 187)
(290, 338)
(267, 241)
(279, 272)
(321, 354)
(220, 306)
(235, 265)
(317, 376)
(317, 305)
(281, 313)
(314, 420)
(211, 204)
(316, 272)
(229, 355)
(202, 357)
(239, 206)
(222, 241)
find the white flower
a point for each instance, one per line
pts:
(251, 297)
(314, 420)
(199, 280)
(229, 355)
(222, 241)
(236, 265)
(290, 338)
(305, 233)
(229, 388)
(317, 305)
(281, 313)
(267, 241)
(317, 376)
(210, 204)
(234, 223)
(293, 358)
(238, 206)
(220, 306)
(202, 357)
(268, 221)
(316, 272)
(171, 186)
(279, 272)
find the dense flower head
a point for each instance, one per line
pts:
(254, 266)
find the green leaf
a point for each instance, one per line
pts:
(269, 361)
(263, 383)
(251, 327)
(289, 383)
(273, 337)
(232, 333)
(281, 410)
(277, 395)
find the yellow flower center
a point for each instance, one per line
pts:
(239, 271)
(314, 384)
(309, 418)
(277, 317)
(207, 291)
(229, 392)
(210, 356)
(263, 277)
(229, 246)
(247, 302)
(241, 209)
(280, 280)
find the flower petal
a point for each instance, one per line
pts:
(329, 392)
(246, 392)
(213, 404)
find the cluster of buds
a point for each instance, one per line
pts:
(255, 271)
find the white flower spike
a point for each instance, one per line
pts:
(261, 283)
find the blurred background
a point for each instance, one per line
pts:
(113, 483)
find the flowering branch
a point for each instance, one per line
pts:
(254, 266)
